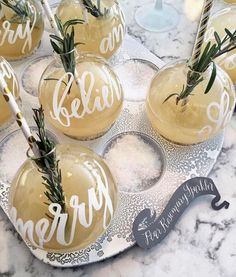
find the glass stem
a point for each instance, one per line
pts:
(158, 5)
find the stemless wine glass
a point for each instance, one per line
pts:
(158, 17)
(21, 28)
(83, 109)
(103, 29)
(199, 117)
(6, 117)
(90, 201)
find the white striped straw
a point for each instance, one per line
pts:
(8, 96)
(50, 16)
(201, 30)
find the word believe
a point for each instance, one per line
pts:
(109, 93)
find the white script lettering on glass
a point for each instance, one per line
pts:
(23, 31)
(219, 114)
(227, 60)
(110, 90)
(114, 37)
(83, 213)
(8, 74)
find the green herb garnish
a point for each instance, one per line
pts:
(211, 52)
(48, 164)
(64, 45)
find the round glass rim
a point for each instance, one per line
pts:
(74, 50)
(34, 158)
(185, 61)
(81, 54)
(228, 7)
(5, 138)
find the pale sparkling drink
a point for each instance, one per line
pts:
(101, 35)
(90, 195)
(230, 1)
(7, 72)
(85, 109)
(219, 21)
(20, 34)
(201, 118)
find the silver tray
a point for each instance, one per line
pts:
(179, 162)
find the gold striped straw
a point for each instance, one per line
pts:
(201, 31)
(8, 96)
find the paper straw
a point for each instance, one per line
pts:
(8, 96)
(201, 30)
(50, 16)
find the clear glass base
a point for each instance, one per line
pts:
(157, 20)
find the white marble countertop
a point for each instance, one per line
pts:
(203, 242)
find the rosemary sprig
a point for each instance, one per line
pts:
(211, 52)
(20, 8)
(94, 10)
(48, 163)
(65, 44)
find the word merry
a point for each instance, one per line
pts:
(10, 34)
(83, 214)
(87, 86)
